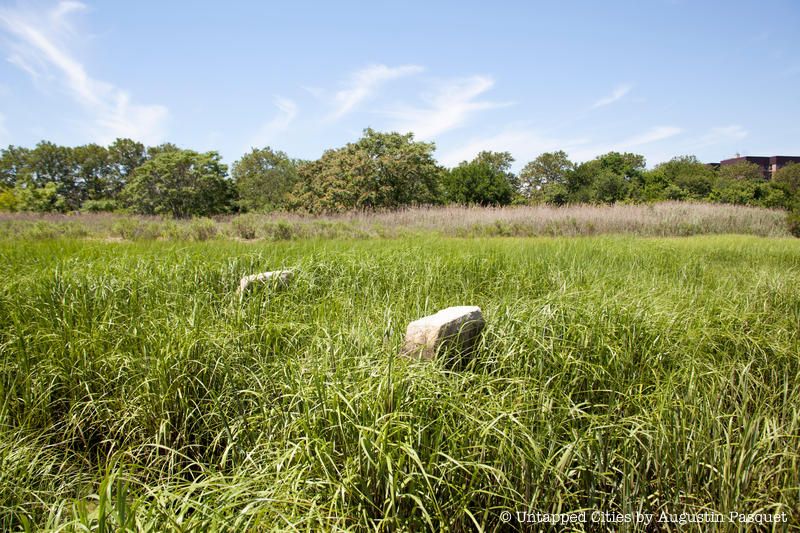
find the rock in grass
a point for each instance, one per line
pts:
(457, 328)
(279, 277)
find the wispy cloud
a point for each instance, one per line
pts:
(617, 94)
(659, 133)
(633, 143)
(287, 111)
(65, 7)
(364, 83)
(40, 47)
(448, 108)
(524, 145)
(19, 62)
(723, 134)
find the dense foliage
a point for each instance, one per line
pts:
(264, 178)
(180, 183)
(378, 171)
(547, 170)
(486, 180)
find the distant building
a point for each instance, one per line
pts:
(768, 165)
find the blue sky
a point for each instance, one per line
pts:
(660, 78)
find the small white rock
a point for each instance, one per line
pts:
(281, 277)
(459, 325)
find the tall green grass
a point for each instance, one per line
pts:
(137, 391)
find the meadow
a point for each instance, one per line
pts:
(664, 219)
(616, 373)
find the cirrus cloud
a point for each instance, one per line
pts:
(453, 102)
(618, 93)
(40, 46)
(364, 83)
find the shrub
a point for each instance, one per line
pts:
(132, 229)
(39, 199)
(793, 221)
(673, 192)
(8, 201)
(99, 206)
(556, 194)
(281, 230)
(202, 229)
(43, 230)
(244, 226)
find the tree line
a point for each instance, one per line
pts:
(378, 171)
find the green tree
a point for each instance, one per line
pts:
(8, 200)
(626, 165)
(91, 171)
(579, 182)
(180, 183)
(486, 180)
(743, 170)
(607, 176)
(555, 194)
(124, 156)
(14, 166)
(36, 180)
(679, 178)
(380, 170)
(153, 151)
(740, 192)
(609, 188)
(741, 183)
(30, 198)
(787, 181)
(50, 163)
(264, 178)
(548, 168)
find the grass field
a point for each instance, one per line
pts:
(615, 373)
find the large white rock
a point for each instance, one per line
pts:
(279, 277)
(459, 327)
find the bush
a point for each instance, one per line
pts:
(132, 229)
(245, 226)
(202, 229)
(673, 192)
(281, 230)
(43, 230)
(793, 221)
(556, 194)
(99, 206)
(8, 201)
(775, 198)
(39, 199)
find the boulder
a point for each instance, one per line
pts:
(456, 327)
(278, 277)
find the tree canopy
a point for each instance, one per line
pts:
(486, 180)
(377, 171)
(679, 178)
(264, 178)
(180, 183)
(549, 168)
(380, 170)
